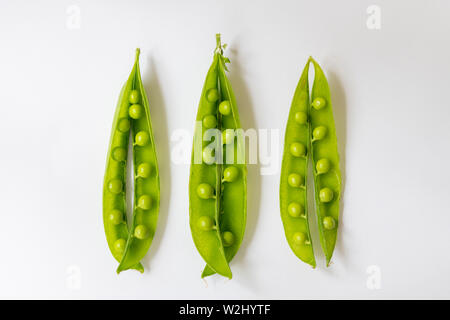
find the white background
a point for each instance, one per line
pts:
(59, 86)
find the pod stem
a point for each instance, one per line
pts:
(219, 48)
(136, 71)
(138, 52)
(218, 40)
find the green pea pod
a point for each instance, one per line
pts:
(310, 131)
(114, 200)
(234, 198)
(325, 158)
(294, 169)
(132, 117)
(217, 185)
(146, 179)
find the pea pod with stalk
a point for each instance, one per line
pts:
(217, 185)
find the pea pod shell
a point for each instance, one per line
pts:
(296, 133)
(325, 148)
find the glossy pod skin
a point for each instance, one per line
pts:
(132, 118)
(310, 132)
(217, 185)
(325, 160)
(293, 199)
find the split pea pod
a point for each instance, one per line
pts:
(310, 132)
(130, 242)
(217, 185)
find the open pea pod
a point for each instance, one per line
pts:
(217, 185)
(310, 132)
(325, 159)
(234, 196)
(114, 197)
(294, 170)
(132, 117)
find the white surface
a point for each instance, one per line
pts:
(58, 93)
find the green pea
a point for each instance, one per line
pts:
(212, 95)
(329, 223)
(323, 166)
(205, 191)
(145, 202)
(326, 195)
(295, 209)
(297, 149)
(318, 103)
(227, 238)
(144, 170)
(205, 223)
(299, 238)
(115, 186)
(319, 132)
(134, 96)
(228, 136)
(116, 216)
(135, 111)
(141, 232)
(208, 155)
(225, 107)
(119, 246)
(295, 180)
(230, 174)
(123, 125)
(119, 154)
(209, 121)
(301, 117)
(142, 138)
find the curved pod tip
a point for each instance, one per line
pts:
(140, 269)
(228, 275)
